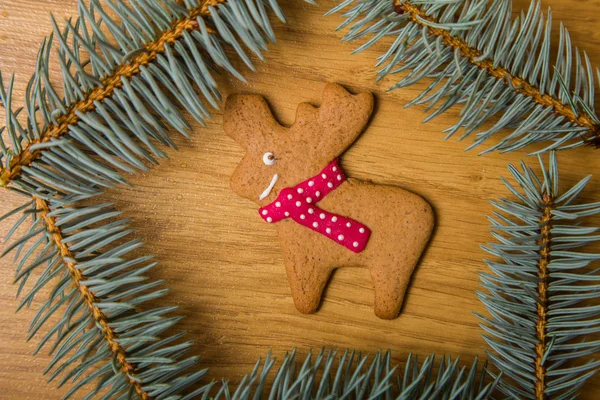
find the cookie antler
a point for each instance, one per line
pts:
(342, 117)
(247, 115)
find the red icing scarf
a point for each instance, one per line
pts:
(299, 204)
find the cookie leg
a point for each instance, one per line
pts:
(389, 291)
(307, 283)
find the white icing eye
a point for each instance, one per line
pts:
(269, 158)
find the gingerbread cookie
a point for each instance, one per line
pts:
(324, 219)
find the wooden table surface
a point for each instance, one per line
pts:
(223, 264)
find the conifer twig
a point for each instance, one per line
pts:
(333, 375)
(106, 88)
(498, 69)
(476, 58)
(89, 298)
(540, 294)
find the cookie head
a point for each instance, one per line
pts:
(261, 172)
(278, 156)
(249, 121)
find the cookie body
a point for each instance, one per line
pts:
(280, 159)
(401, 223)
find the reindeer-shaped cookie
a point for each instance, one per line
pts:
(324, 220)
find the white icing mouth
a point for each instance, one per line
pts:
(269, 188)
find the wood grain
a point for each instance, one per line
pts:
(223, 264)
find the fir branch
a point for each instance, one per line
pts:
(490, 64)
(106, 86)
(477, 58)
(103, 334)
(352, 375)
(89, 298)
(541, 295)
(150, 47)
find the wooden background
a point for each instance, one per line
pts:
(223, 264)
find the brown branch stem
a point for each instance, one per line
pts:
(107, 89)
(542, 289)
